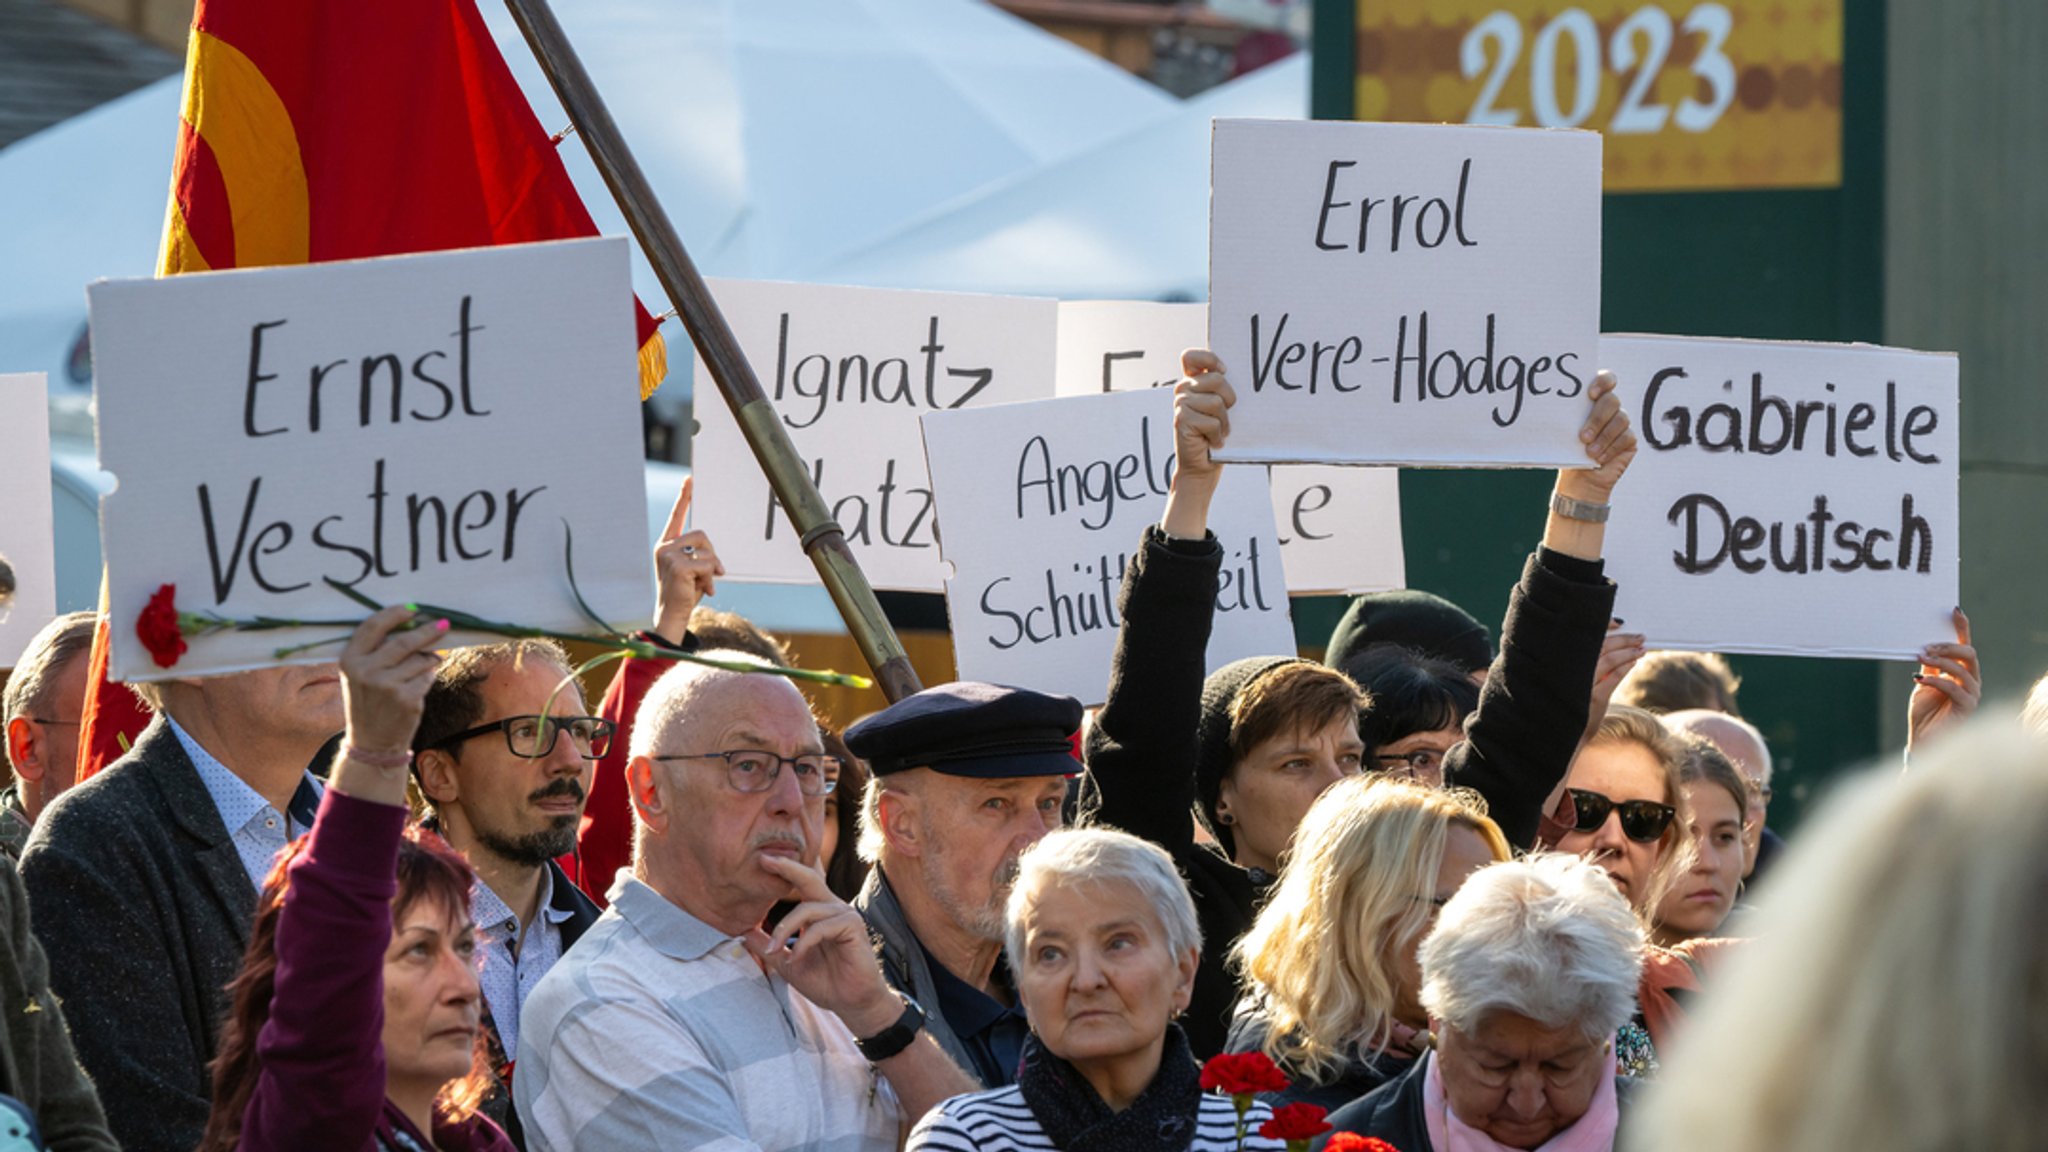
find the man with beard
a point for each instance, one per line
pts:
(504, 757)
(965, 777)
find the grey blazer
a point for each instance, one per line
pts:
(144, 908)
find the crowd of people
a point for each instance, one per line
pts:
(1430, 890)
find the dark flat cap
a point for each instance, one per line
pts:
(972, 729)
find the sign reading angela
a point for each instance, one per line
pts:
(418, 429)
(1787, 498)
(1405, 294)
(849, 371)
(1042, 506)
(1340, 528)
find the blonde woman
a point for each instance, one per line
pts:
(1893, 998)
(1633, 822)
(1332, 981)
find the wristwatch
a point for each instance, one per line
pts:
(896, 1037)
(1584, 510)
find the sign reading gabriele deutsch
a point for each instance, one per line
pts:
(1786, 498)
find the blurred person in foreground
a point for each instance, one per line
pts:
(1101, 933)
(686, 1018)
(44, 696)
(1531, 968)
(356, 1015)
(1911, 911)
(1332, 984)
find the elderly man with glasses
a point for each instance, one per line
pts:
(503, 758)
(692, 1017)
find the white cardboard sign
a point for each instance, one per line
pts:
(1042, 506)
(1405, 293)
(27, 539)
(1787, 499)
(849, 371)
(420, 428)
(1340, 528)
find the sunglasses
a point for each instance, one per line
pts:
(1642, 821)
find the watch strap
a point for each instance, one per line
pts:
(896, 1037)
(1584, 510)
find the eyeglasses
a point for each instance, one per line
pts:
(753, 770)
(532, 737)
(1642, 821)
(1409, 765)
(75, 723)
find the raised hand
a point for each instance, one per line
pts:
(1201, 414)
(1618, 654)
(685, 568)
(1946, 689)
(385, 672)
(1610, 443)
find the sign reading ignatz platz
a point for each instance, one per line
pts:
(1405, 294)
(1787, 499)
(418, 428)
(1041, 508)
(849, 371)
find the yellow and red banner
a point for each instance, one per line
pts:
(1690, 94)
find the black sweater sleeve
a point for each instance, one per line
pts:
(1141, 748)
(1520, 741)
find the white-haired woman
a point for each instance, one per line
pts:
(1893, 998)
(1332, 983)
(1103, 944)
(1529, 971)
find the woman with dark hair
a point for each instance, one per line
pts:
(355, 1024)
(838, 851)
(1253, 744)
(1419, 705)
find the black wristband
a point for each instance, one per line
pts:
(896, 1037)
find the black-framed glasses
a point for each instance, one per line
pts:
(755, 769)
(1411, 764)
(532, 737)
(1642, 821)
(43, 720)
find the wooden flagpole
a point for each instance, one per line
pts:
(823, 540)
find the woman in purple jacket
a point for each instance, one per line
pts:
(355, 1022)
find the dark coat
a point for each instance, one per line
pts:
(1141, 749)
(1394, 1112)
(37, 1066)
(144, 907)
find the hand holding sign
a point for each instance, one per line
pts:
(1611, 445)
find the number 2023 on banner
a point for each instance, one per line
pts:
(1730, 94)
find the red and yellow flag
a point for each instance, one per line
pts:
(314, 130)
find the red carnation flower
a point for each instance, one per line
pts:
(1292, 1122)
(1353, 1142)
(1242, 1074)
(157, 627)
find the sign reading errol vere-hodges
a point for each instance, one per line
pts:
(849, 371)
(1042, 506)
(419, 428)
(1405, 294)
(1787, 498)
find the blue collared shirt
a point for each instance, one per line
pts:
(258, 830)
(514, 961)
(991, 1031)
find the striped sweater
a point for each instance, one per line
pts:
(1000, 1121)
